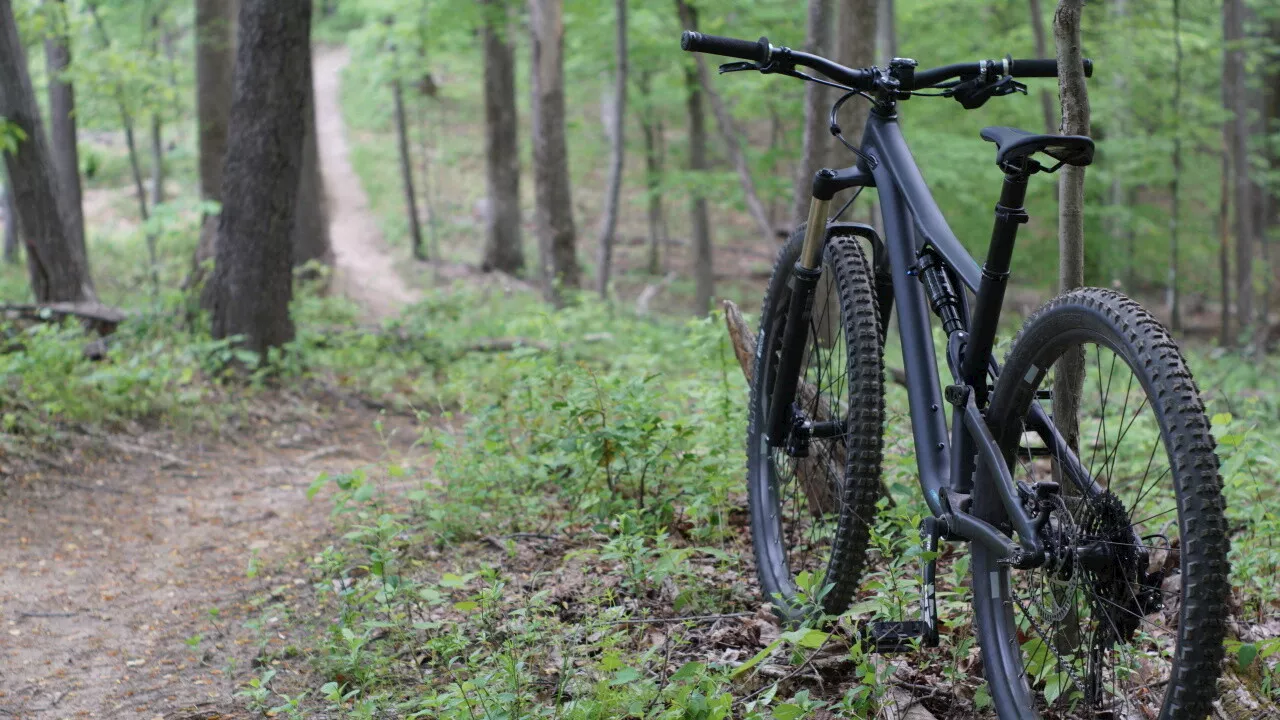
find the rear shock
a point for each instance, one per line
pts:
(943, 298)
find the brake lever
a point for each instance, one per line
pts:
(738, 67)
(975, 92)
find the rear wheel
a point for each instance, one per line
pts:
(1126, 620)
(810, 516)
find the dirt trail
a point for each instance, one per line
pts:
(366, 270)
(112, 561)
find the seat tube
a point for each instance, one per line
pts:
(995, 278)
(804, 279)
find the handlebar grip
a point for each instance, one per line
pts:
(1043, 67)
(757, 51)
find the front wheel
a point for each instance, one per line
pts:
(1126, 619)
(811, 516)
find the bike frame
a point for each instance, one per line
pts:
(914, 227)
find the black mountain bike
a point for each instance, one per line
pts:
(1097, 538)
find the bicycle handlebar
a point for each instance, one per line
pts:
(761, 52)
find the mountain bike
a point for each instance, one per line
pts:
(1095, 527)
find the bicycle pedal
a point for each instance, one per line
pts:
(895, 636)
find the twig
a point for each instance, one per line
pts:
(94, 488)
(652, 291)
(323, 452)
(686, 618)
(506, 345)
(46, 614)
(169, 460)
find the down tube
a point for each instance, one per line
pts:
(928, 421)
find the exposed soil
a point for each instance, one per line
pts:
(129, 568)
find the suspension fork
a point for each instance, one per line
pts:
(804, 280)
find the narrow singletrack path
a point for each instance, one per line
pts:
(146, 576)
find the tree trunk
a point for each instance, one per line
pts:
(703, 275)
(126, 121)
(215, 68)
(59, 269)
(311, 242)
(10, 224)
(1074, 98)
(62, 123)
(816, 147)
(886, 32)
(610, 222)
(651, 127)
(503, 250)
(1236, 131)
(1042, 51)
(1226, 337)
(252, 281)
(1175, 310)
(729, 133)
(553, 211)
(157, 133)
(406, 170)
(856, 24)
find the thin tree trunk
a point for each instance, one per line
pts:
(1175, 310)
(651, 127)
(10, 224)
(610, 222)
(59, 269)
(157, 136)
(406, 170)
(126, 121)
(1226, 338)
(1236, 131)
(215, 76)
(855, 30)
(703, 268)
(729, 133)
(62, 123)
(503, 250)
(311, 241)
(252, 281)
(816, 147)
(1074, 98)
(886, 32)
(553, 212)
(1042, 51)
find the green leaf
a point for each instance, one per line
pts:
(787, 711)
(1246, 654)
(756, 660)
(465, 606)
(688, 671)
(1220, 419)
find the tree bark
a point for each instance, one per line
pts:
(157, 133)
(10, 224)
(215, 68)
(1236, 132)
(1226, 337)
(856, 25)
(1074, 99)
(553, 212)
(703, 273)
(252, 281)
(503, 249)
(729, 133)
(816, 149)
(886, 31)
(311, 241)
(1042, 51)
(1175, 309)
(59, 269)
(609, 224)
(62, 122)
(406, 170)
(651, 127)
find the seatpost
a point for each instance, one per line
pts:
(995, 276)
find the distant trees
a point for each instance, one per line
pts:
(553, 212)
(699, 219)
(502, 248)
(57, 264)
(311, 242)
(251, 286)
(1235, 99)
(816, 151)
(617, 153)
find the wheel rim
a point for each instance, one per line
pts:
(1096, 628)
(804, 494)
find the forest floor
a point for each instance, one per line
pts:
(132, 564)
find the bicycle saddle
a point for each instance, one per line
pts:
(1012, 144)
